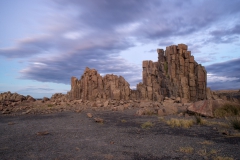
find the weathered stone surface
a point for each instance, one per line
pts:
(89, 115)
(99, 120)
(205, 107)
(13, 97)
(175, 74)
(93, 86)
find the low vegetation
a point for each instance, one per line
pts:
(50, 105)
(123, 121)
(150, 112)
(199, 120)
(222, 158)
(186, 149)
(147, 124)
(173, 122)
(206, 143)
(205, 152)
(221, 124)
(227, 110)
(161, 118)
(234, 122)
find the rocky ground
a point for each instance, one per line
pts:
(115, 135)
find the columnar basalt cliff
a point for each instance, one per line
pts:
(175, 74)
(93, 86)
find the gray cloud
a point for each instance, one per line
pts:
(100, 30)
(225, 35)
(228, 85)
(165, 43)
(229, 70)
(60, 68)
(28, 47)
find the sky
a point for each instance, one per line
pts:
(43, 43)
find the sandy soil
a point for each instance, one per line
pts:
(69, 135)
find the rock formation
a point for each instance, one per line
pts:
(9, 101)
(93, 86)
(175, 74)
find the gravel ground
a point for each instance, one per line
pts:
(69, 135)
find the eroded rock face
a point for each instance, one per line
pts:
(93, 86)
(15, 97)
(9, 101)
(205, 107)
(175, 74)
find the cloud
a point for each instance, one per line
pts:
(28, 47)
(60, 68)
(204, 59)
(227, 85)
(165, 43)
(92, 33)
(224, 75)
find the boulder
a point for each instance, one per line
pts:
(45, 99)
(30, 99)
(205, 107)
(89, 115)
(105, 104)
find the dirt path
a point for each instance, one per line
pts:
(69, 135)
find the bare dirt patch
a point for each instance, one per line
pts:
(70, 135)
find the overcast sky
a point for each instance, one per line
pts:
(45, 42)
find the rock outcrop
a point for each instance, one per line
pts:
(9, 101)
(93, 86)
(176, 74)
(205, 107)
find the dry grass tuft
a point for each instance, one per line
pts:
(206, 143)
(147, 125)
(204, 152)
(221, 124)
(222, 158)
(227, 110)
(150, 112)
(123, 121)
(213, 151)
(50, 105)
(200, 120)
(234, 122)
(180, 123)
(186, 149)
(161, 118)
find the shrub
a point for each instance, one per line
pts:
(206, 142)
(147, 125)
(199, 119)
(180, 123)
(123, 121)
(227, 110)
(223, 158)
(235, 122)
(186, 149)
(150, 112)
(161, 118)
(50, 105)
